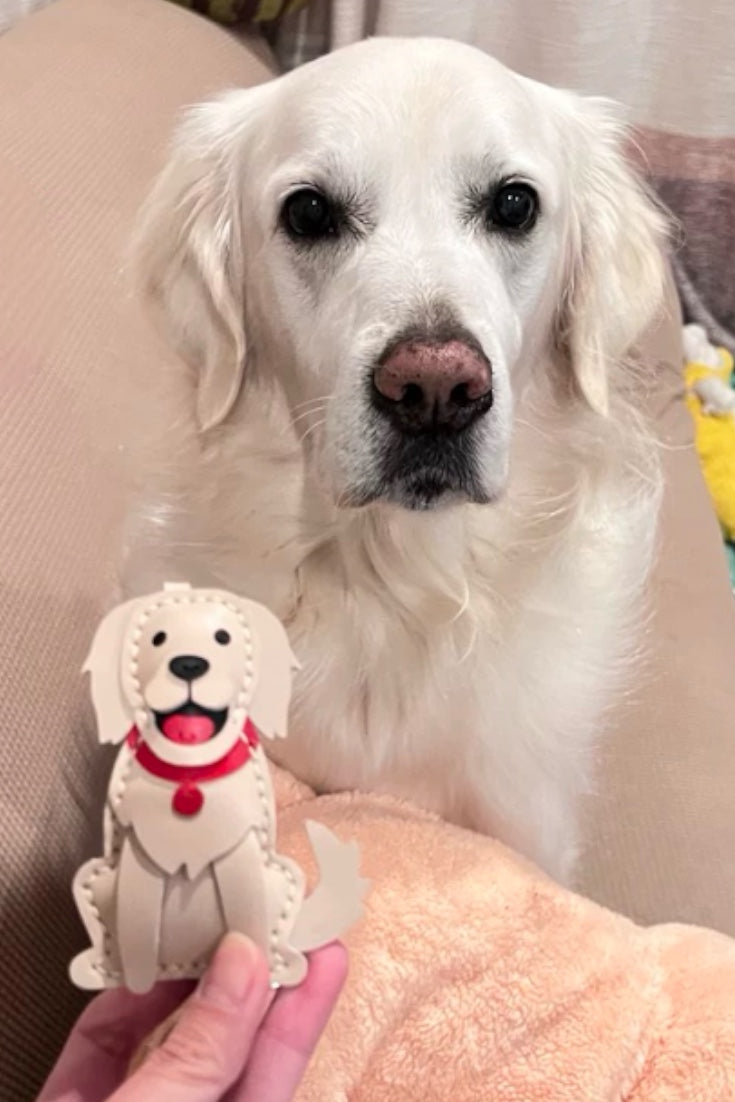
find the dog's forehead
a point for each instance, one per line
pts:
(382, 97)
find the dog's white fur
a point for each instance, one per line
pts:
(461, 656)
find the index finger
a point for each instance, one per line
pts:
(291, 1029)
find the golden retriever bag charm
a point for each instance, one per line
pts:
(189, 680)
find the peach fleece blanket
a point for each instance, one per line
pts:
(476, 979)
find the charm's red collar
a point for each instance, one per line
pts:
(188, 798)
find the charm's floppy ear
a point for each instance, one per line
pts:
(104, 665)
(189, 252)
(615, 269)
(275, 666)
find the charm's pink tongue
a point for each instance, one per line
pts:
(188, 729)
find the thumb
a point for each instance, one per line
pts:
(208, 1047)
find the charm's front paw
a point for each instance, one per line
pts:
(86, 972)
(288, 967)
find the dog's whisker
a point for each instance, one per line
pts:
(312, 429)
(310, 403)
(307, 413)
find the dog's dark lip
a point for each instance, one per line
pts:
(218, 716)
(418, 476)
(414, 495)
(424, 471)
(426, 494)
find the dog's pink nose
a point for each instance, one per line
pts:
(423, 383)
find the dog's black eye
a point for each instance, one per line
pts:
(222, 636)
(308, 215)
(514, 207)
(159, 638)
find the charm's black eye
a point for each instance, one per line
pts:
(514, 207)
(159, 639)
(222, 637)
(308, 215)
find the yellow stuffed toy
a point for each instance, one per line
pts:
(711, 399)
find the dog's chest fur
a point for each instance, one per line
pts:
(490, 716)
(460, 658)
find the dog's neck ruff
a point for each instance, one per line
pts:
(188, 798)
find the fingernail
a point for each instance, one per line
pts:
(229, 977)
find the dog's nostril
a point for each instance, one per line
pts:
(413, 396)
(188, 667)
(460, 395)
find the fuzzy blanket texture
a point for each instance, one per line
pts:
(473, 976)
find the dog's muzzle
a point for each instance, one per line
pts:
(433, 392)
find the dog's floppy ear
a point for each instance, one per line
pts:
(615, 272)
(276, 663)
(188, 249)
(104, 665)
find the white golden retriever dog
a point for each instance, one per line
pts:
(405, 281)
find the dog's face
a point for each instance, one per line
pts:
(402, 232)
(187, 667)
(191, 669)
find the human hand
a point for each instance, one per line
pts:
(228, 1044)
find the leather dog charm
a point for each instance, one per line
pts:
(190, 681)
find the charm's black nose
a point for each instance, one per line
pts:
(188, 667)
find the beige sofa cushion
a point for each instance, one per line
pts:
(662, 840)
(89, 90)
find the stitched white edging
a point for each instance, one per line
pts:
(270, 858)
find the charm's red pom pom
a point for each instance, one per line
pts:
(187, 799)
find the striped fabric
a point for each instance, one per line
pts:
(240, 11)
(303, 35)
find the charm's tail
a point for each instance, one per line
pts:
(336, 901)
